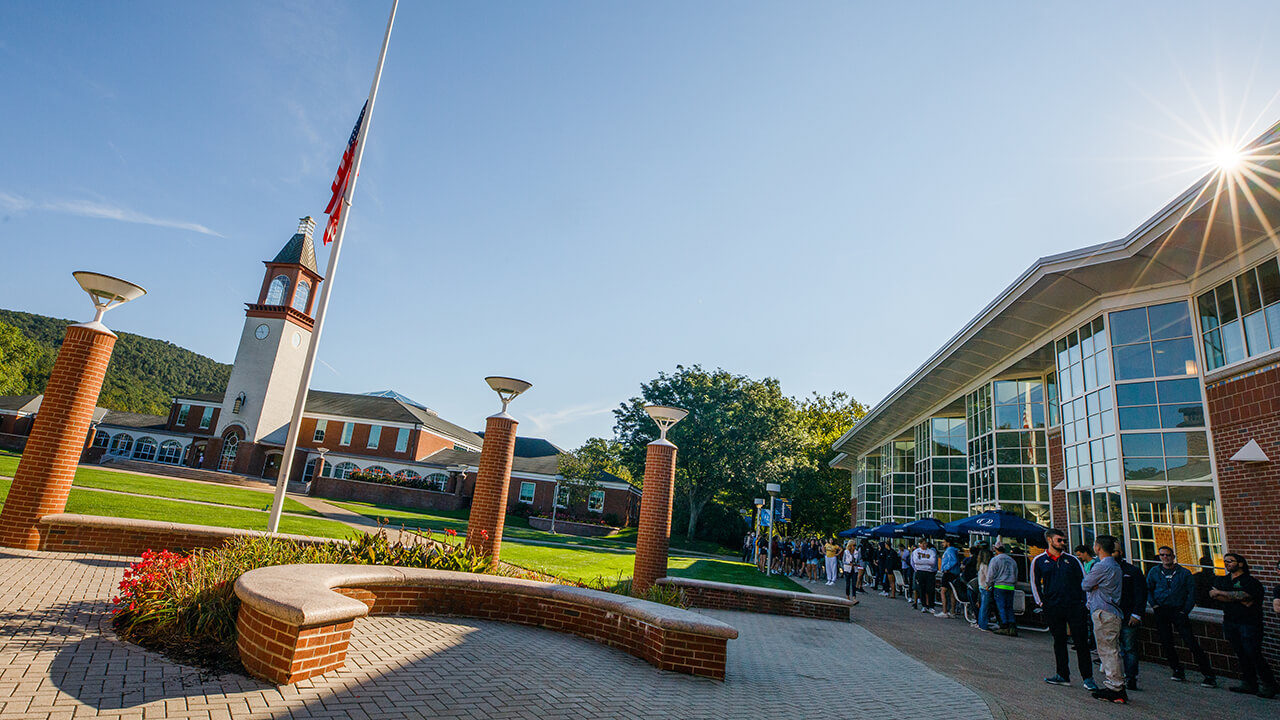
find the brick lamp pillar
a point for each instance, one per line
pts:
(489, 501)
(654, 532)
(43, 479)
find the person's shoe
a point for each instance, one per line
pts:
(1179, 676)
(884, 594)
(1089, 684)
(1209, 681)
(1116, 696)
(1058, 680)
(856, 601)
(1244, 689)
(1267, 691)
(939, 613)
(1131, 684)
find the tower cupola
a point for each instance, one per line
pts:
(289, 285)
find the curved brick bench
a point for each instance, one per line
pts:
(727, 596)
(295, 620)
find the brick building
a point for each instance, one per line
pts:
(1109, 390)
(243, 430)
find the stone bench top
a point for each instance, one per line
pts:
(756, 591)
(304, 596)
(160, 526)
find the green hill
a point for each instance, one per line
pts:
(143, 376)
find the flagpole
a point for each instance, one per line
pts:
(299, 403)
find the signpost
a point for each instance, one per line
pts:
(773, 490)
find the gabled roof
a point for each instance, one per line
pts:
(20, 403)
(138, 421)
(388, 409)
(298, 251)
(546, 465)
(531, 447)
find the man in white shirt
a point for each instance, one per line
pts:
(924, 565)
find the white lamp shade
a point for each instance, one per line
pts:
(108, 291)
(666, 414)
(507, 386)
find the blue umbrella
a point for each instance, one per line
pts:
(927, 527)
(1002, 523)
(851, 532)
(887, 530)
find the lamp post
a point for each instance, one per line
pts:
(653, 535)
(755, 545)
(773, 489)
(43, 478)
(489, 503)
(319, 466)
(555, 504)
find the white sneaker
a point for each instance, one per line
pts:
(925, 610)
(939, 614)
(884, 594)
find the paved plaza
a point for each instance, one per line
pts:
(60, 659)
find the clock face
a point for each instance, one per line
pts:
(262, 332)
(297, 339)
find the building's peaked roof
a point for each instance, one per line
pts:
(300, 250)
(531, 447)
(397, 396)
(119, 418)
(547, 465)
(21, 403)
(389, 409)
(202, 397)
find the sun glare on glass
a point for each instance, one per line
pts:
(1228, 158)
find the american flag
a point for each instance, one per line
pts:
(334, 210)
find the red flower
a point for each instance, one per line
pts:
(450, 532)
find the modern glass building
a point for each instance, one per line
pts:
(1130, 388)
(866, 491)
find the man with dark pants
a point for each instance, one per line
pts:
(1056, 577)
(1172, 592)
(1133, 604)
(1241, 596)
(924, 565)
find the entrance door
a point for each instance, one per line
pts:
(271, 470)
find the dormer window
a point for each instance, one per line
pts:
(301, 295)
(279, 287)
(239, 403)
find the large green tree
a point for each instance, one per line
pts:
(19, 358)
(740, 434)
(583, 468)
(819, 493)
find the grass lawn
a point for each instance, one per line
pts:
(586, 565)
(86, 502)
(169, 488)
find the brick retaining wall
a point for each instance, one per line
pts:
(124, 536)
(727, 596)
(568, 527)
(380, 494)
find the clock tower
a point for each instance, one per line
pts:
(273, 346)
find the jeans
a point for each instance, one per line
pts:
(1106, 628)
(1129, 649)
(1169, 619)
(925, 585)
(984, 609)
(851, 583)
(1004, 607)
(1075, 617)
(1246, 640)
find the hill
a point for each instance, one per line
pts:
(143, 376)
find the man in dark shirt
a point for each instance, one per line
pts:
(1172, 591)
(1242, 596)
(1055, 584)
(1133, 605)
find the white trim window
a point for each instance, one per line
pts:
(378, 470)
(275, 293)
(347, 429)
(526, 492)
(562, 497)
(438, 481)
(145, 449)
(375, 435)
(301, 295)
(206, 418)
(121, 444)
(402, 440)
(342, 470)
(318, 436)
(183, 410)
(595, 501)
(101, 439)
(408, 476)
(170, 452)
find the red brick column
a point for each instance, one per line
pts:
(43, 479)
(489, 502)
(1057, 473)
(654, 531)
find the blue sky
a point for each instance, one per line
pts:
(584, 194)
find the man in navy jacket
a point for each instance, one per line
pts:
(1172, 592)
(1055, 584)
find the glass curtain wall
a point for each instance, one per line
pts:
(866, 488)
(1008, 460)
(1164, 447)
(898, 481)
(1241, 317)
(942, 480)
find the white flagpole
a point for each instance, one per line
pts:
(295, 422)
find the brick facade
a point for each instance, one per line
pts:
(489, 502)
(48, 466)
(1057, 474)
(1243, 408)
(654, 532)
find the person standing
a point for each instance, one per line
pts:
(1241, 596)
(949, 566)
(983, 601)
(1133, 605)
(908, 583)
(1002, 573)
(1086, 556)
(924, 567)
(1171, 590)
(852, 573)
(832, 552)
(1056, 577)
(1104, 587)
(887, 565)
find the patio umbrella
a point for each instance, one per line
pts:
(927, 527)
(1001, 523)
(887, 530)
(851, 532)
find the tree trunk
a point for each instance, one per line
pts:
(695, 507)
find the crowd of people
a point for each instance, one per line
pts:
(1091, 595)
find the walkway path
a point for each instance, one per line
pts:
(60, 659)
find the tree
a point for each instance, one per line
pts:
(583, 468)
(19, 357)
(740, 434)
(819, 493)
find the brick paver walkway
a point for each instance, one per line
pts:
(59, 659)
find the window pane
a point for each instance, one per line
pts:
(1144, 469)
(1129, 326)
(1179, 416)
(1132, 361)
(1190, 505)
(1182, 469)
(1213, 350)
(1226, 303)
(1109, 447)
(1232, 342)
(1143, 393)
(1208, 312)
(1179, 391)
(1248, 293)
(1139, 418)
(1147, 504)
(1174, 357)
(1169, 321)
(1142, 444)
(1273, 322)
(1269, 282)
(1006, 392)
(1255, 333)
